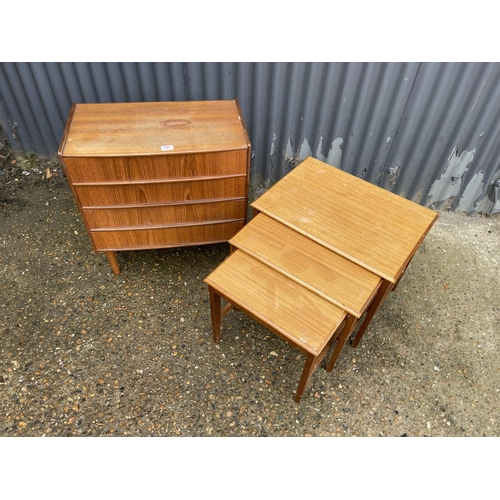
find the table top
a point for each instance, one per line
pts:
(294, 312)
(308, 263)
(364, 223)
(153, 128)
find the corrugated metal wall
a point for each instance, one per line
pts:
(426, 131)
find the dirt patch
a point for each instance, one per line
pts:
(85, 352)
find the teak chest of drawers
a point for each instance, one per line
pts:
(157, 174)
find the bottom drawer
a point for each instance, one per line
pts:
(165, 237)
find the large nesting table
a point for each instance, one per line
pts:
(323, 248)
(370, 226)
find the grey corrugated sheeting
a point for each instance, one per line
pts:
(426, 131)
(449, 139)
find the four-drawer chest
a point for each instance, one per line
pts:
(154, 175)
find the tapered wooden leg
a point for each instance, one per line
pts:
(215, 312)
(312, 363)
(344, 335)
(308, 370)
(372, 309)
(113, 261)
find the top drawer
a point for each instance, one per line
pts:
(143, 168)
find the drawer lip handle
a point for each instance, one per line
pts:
(162, 204)
(158, 181)
(175, 123)
(165, 226)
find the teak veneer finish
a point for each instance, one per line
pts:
(291, 311)
(297, 288)
(329, 275)
(157, 174)
(374, 228)
(319, 236)
(371, 226)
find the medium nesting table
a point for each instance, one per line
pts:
(298, 289)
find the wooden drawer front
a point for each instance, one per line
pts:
(140, 168)
(165, 215)
(165, 237)
(164, 192)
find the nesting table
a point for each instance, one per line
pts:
(323, 248)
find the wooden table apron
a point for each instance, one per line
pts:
(370, 226)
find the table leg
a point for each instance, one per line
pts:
(344, 335)
(306, 375)
(113, 261)
(215, 312)
(385, 288)
(312, 362)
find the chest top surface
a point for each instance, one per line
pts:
(153, 128)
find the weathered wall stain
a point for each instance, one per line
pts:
(334, 157)
(292, 157)
(472, 192)
(490, 204)
(304, 150)
(449, 184)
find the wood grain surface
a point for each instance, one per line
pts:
(310, 264)
(360, 221)
(299, 315)
(142, 128)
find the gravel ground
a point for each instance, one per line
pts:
(86, 353)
